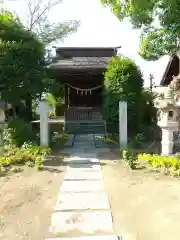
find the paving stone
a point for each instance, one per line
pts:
(88, 238)
(72, 150)
(82, 186)
(84, 167)
(82, 154)
(84, 137)
(81, 160)
(97, 150)
(96, 223)
(70, 141)
(82, 201)
(80, 175)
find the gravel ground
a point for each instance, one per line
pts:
(145, 205)
(27, 199)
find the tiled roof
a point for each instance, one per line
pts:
(81, 62)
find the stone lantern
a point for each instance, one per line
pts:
(168, 115)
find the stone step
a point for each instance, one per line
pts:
(81, 160)
(81, 154)
(84, 167)
(70, 141)
(88, 238)
(82, 201)
(65, 224)
(82, 186)
(80, 175)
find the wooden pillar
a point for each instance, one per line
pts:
(66, 97)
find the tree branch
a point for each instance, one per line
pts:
(38, 12)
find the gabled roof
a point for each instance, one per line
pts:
(81, 63)
(70, 59)
(171, 70)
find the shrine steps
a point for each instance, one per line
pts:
(85, 127)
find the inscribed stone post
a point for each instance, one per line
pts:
(2, 123)
(43, 109)
(123, 124)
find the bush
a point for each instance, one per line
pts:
(168, 164)
(31, 154)
(19, 132)
(128, 155)
(123, 82)
(58, 139)
(138, 140)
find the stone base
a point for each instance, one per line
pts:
(167, 148)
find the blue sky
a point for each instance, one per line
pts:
(100, 28)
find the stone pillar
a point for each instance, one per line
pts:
(43, 110)
(167, 142)
(123, 124)
(2, 125)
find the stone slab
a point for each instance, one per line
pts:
(96, 223)
(84, 167)
(97, 150)
(82, 186)
(80, 175)
(88, 238)
(81, 160)
(84, 137)
(81, 154)
(84, 143)
(82, 201)
(70, 141)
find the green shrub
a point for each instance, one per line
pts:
(7, 137)
(128, 155)
(19, 132)
(31, 154)
(166, 163)
(123, 82)
(138, 140)
(59, 139)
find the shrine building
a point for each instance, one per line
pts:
(81, 70)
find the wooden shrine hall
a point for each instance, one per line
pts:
(81, 70)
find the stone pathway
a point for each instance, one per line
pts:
(82, 211)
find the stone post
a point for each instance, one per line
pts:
(43, 109)
(2, 124)
(167, 142)
(123, 124)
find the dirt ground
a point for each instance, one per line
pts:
(26, 201)
(145, 205)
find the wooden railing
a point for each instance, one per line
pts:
(83, 114)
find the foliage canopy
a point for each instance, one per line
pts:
(123, 82)
(23, 70)
(35, 17)
(159, 21)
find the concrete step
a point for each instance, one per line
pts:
(81, 160)
(82, 186)
(65, 224)
(79, 175)
(89, 238)
(82, 201)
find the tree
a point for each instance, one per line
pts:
(123, 82)
(159, 21)
(23, 72)
(38, 22)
